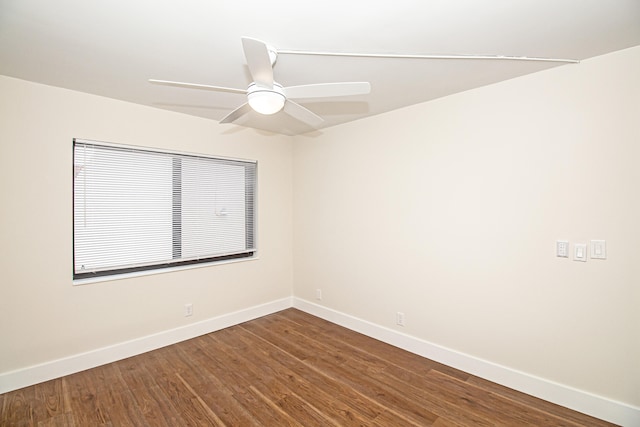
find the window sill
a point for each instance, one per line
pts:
(88, 281)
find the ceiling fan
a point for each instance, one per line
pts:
(266, 96)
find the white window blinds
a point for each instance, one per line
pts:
(137, 209)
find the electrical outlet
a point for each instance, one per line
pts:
(188, 310)
(562, 248)
(400, 318)
(319, 294)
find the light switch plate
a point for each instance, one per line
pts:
(598, 249)
(580, 252)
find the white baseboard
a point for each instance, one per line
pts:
(578, 400)
(20, 378)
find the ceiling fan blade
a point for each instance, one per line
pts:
(298, 112)
(236, 114)
(325, 90)
(197, 86)
(256, 53)
(426, 56)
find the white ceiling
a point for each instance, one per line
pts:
(111, 47)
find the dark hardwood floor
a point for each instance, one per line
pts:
(288, 368)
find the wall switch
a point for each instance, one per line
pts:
(400, 318)
(598, 249)
(562, 248)
(580, 252)
(188, 310)
(318, 294)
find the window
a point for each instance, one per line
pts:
(137, 209)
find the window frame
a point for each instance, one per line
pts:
(161, 267)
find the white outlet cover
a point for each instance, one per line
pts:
(562, 248)
(188, 310)
(400, 318)
(580, 252)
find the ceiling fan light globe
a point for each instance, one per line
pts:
(266, 101)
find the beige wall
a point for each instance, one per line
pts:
(449, 211)
(42, 316)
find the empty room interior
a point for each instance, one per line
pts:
(446, 190)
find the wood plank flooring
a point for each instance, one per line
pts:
(285, 369)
